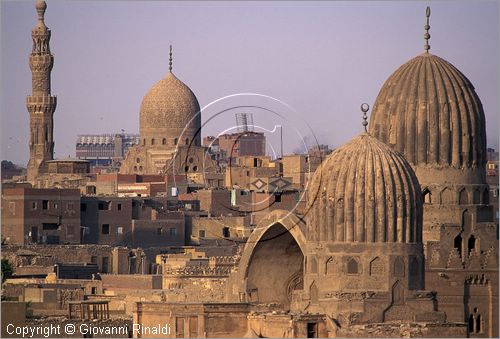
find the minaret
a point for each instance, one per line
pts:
(41, 105)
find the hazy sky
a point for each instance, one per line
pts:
(323, 59)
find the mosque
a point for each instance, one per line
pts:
(398, 237)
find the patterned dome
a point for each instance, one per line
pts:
(364, 192)
(429, 111)
(167, 108)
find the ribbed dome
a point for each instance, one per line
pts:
(364, 192)
(167, 108)
(429, 111)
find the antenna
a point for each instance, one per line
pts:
(244, 122)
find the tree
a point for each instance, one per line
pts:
(6, 269)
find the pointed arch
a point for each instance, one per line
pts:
(462, 197)
(397, 293)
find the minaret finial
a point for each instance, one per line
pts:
(364, 108)
(170, 60)
(427, 36)
(41, 6)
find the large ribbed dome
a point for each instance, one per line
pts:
(429, 111)
(364, 192)
(166, 109)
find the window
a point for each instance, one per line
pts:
(119, 207)
(152, 141)
(173, 231)
(55, 205)
(201, 233)
(93, 259)
(50, 226)
(352, 266)
(100, 206)
(33, 205)
(312, 330)
(193, 327)
(119, 230)
(94, 290)
(12, 207)
(105, 264)
(105, 229)
(159, 231)
(83, 207)
(179, 327)
(176, 141)
(187, 141)
(277, 197)
(45, 204)
(225, 232)
(164, 141)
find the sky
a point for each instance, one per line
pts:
(312, 64)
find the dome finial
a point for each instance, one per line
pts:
(170, 60)
(364, 108)
(427, 36)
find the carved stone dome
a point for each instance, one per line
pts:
(364, 192)
(167, 108)
(429, 111)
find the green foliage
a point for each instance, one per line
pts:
(6, 269)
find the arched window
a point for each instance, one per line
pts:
(462, 197)
(330, 266)
(471, 244)
(447, 196)
(399, 267)
(152, 141)
(478, 323)
(352, 266)
(427, 196)
(397, 294)
(175, 141)
(164, 141)
(376, 266)
(457, 244)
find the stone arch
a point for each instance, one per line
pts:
(330, 266)
(353, 266)
(313, 292)
(463, 199)
(313, 265)
(273, 256)
(447, 196)
(397, 293)
(427, 196)
(376, 266)
(399, 267)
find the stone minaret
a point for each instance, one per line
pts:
(41, 104)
